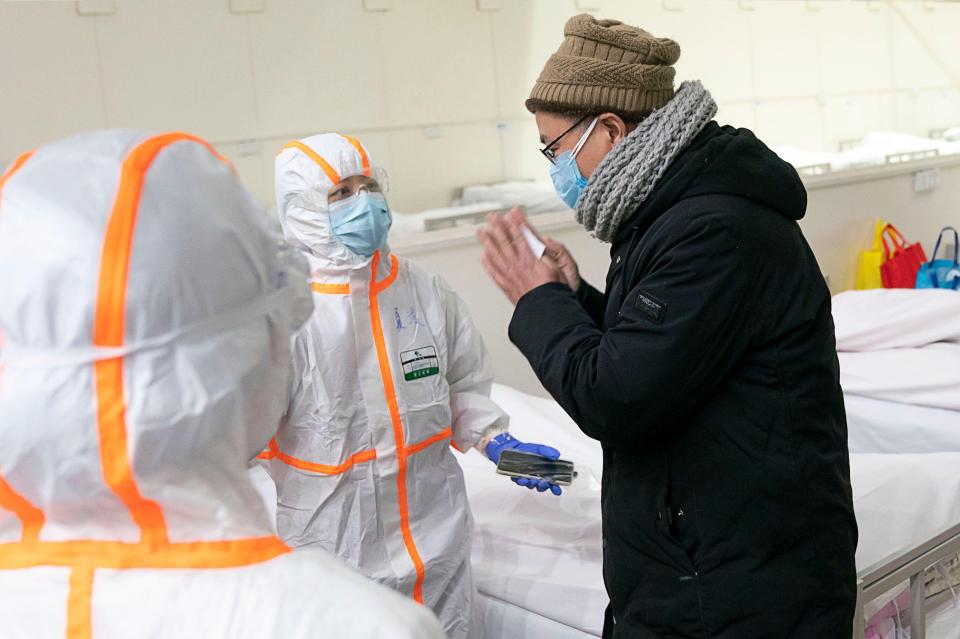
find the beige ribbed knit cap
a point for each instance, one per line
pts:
(605, 65)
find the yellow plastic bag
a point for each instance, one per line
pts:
(869, 261)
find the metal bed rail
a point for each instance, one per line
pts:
(910, 564)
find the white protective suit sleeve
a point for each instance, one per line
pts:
(476, 417)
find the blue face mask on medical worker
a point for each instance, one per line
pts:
(361, 222)
(565, 173)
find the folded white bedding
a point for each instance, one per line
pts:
(925, 376)
(895, 318)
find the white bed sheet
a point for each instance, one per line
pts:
(895, 318)
(878, 426)
(542, 554)
(503, 620)
(923, 376)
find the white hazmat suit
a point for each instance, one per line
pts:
(389, 372)
(147, 313)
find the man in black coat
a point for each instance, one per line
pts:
(707, 369)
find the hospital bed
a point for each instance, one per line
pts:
(899, 353)
(537, 558)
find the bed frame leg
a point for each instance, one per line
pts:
(859, 623)
(918, 609)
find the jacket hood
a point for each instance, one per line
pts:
(305, 170)
(147, 311)
(724, 161)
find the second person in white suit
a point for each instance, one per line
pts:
(389, 373)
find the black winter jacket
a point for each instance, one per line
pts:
(708, 371)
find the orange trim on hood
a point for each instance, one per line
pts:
(330, 172)
(108, 330)
(364, 159)
(109, 327)
(16, 166)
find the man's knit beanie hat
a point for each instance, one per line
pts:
(605, 65)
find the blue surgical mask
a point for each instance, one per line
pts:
(567, 179)
(565, 173)
(361, 222)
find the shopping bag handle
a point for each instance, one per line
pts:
(877, 235)
(895, 235)
(956, 245)
(955, 271)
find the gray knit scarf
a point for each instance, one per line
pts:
(625, 177)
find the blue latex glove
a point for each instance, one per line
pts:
(506, 441)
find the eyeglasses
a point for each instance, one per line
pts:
(548, 151)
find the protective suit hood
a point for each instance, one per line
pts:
(142, 369)
(305, 171)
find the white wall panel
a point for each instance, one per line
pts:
(790, 122)
(714, 37)
(178, 64)
(915, 63)
(852, 117)
(938, 108)
(905, 114)
(522, 160)
(935, 28)
(438, 62)
(49, 74)
(250, 168)
(317, 67)
(425, 172)
(854, 48)
(525, 33)
(786, 53)
(737, 114)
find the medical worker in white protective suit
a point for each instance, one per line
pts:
(147, 313)
(389, 372)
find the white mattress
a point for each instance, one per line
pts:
(541, 553)
(878, 426)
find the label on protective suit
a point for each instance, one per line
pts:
(419, 363)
